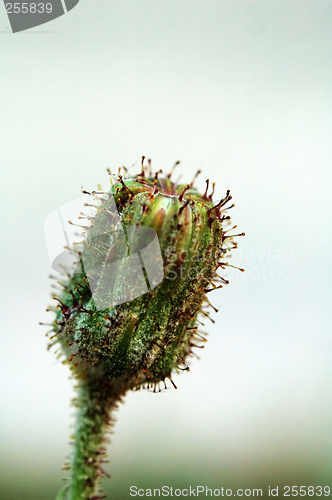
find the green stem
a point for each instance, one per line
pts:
(95, 403)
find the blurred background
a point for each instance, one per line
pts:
(242, 90)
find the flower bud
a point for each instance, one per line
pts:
(129, 313)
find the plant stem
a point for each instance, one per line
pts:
(95, 404)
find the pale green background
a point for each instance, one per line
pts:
(242, 90)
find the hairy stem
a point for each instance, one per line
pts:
(95, 403)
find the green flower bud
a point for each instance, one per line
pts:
(121, 325)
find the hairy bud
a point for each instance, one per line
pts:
(128, 316)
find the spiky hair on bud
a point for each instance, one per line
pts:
(115, 340)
